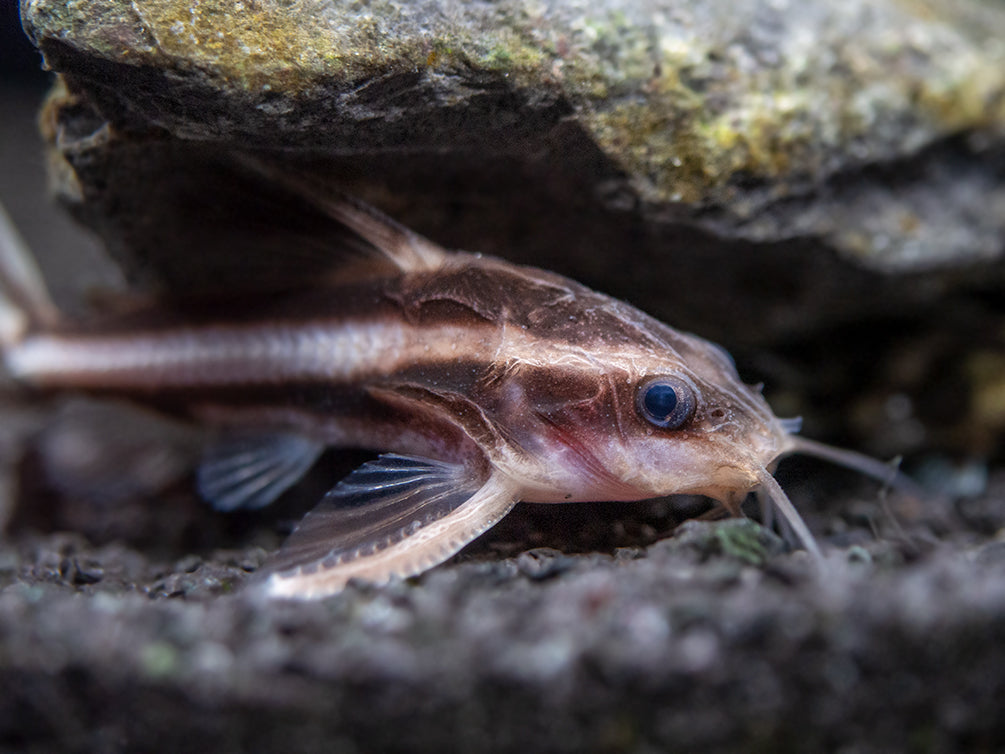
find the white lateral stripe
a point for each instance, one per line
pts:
(234, 356)
(337, 351)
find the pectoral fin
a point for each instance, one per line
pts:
(393, 517)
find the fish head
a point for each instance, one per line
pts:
(692, 426)
(643, 421)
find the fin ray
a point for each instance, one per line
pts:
(414, 514)
(24, 299)
(404, 248)
(246, 232)
(249, 470)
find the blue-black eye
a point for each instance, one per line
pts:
(667, 402)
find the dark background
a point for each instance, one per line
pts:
(68, 255)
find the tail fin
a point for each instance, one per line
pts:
(24, 300)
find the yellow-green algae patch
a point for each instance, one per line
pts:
(685, 114)
(987, 373)
(282, 45)
(684, 96)
(245, 43)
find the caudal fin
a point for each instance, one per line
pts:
(24, 300)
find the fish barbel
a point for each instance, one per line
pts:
(482, 382)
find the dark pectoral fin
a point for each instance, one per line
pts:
(250, 470)
(393, 517)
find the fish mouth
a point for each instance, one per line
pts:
(773, 498)
(751, 460)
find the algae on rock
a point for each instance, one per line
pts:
(746, 118)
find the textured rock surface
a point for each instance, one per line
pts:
(752, 119)
(684, 648)
(818, 185)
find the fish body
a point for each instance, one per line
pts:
(483, 383)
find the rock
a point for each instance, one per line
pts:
(753, 119)
(875, 127)
(663, 652)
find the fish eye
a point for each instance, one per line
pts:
(667, 402)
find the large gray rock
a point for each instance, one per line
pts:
(752, 119)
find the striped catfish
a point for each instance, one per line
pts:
(483, 384)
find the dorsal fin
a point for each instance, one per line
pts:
(226, 224)
(24, 300)
(404, 248)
